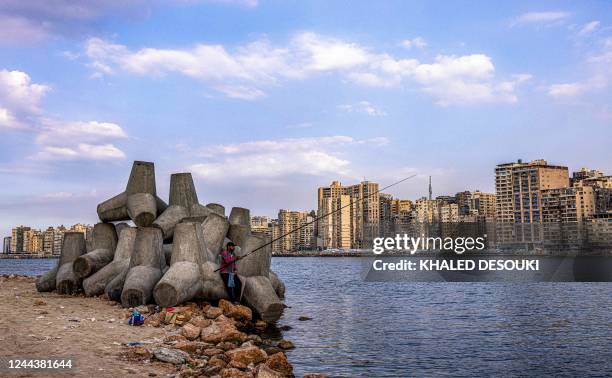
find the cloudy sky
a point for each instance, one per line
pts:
(264, 101)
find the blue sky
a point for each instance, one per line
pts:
(264, 101)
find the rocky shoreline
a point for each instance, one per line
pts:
(196, 339)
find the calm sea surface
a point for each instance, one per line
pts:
(373, 329)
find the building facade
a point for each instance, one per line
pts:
(519, 186)
(359, 220)
(6, 245)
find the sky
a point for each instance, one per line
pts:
(264, 101)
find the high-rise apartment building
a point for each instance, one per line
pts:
(6, 245)
(574, 204)
(518, 189)
(303, 238)
(449, 213)
(48, 237)
(476, 205)
(276, 233)
(58, 239)
(261, 225)
(399, 206)
(37, 242)
(335, 230)
(19, 239)
(585, 173)
(362, 202)
(427, 211)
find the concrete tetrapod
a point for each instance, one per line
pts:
(216, 208)
(114, 288)
(141, 209)
(66, 281)
(169, 219)
(183, 203)
(240, 215)
(215, 229)
(259, 294)
(146, 267)
(104, 242)
(46, 282)
(277, 284)
(238, 233)
(213, 287)
(255, 264)
(96, 283)
(182, 281)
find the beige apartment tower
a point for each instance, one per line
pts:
(519, 187)
(354, 225)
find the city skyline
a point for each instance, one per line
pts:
(263, 101)
(306, 209)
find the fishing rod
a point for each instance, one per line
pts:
(316, 219)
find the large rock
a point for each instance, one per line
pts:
(190, 331)
(247, 355)
(233, 311)
(172, 356)
(278, 362)
(265, 372)
(221, 331)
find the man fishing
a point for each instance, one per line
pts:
(228, 272)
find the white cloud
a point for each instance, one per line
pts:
(8, 120)
(267, 159)
(363, 107)
(82, 151)
(72, 132)
(588, 28)
(566, 90)
(417, 42)
(241, 92)
(547, 18)
(575, 89)
(79, 140)
(326, 54)
(599, 75)
(246, 71)
(18, 94)
(20, 108)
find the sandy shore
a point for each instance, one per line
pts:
(91, 331)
